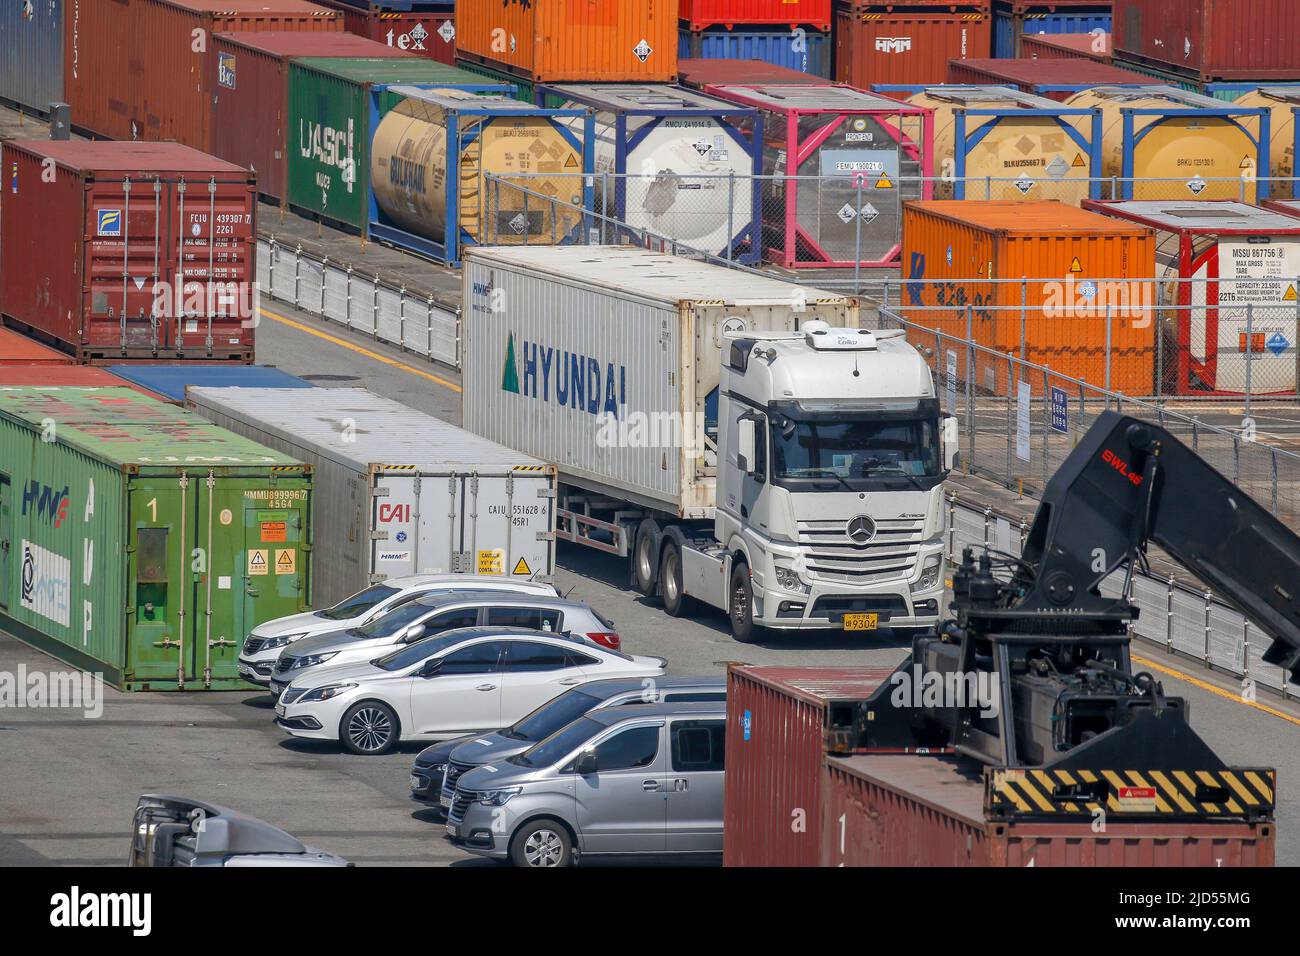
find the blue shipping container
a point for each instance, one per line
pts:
(31, 52)
(1006, 26)
(169, 381)
(804, 50)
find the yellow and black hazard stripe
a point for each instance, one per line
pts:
(538, 468)
(390, 467)
(1236, 792)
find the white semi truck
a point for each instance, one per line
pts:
(739, 438)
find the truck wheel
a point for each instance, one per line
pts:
(676, 603)
(541, 843)
(740, 605)
(643, 561)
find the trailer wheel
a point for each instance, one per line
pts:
(644, 560)
(740, 605)
(676, 603)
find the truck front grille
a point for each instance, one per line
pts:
(889, 555)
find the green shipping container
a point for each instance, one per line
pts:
(1220, 91)
(141, 541)
(334, 103)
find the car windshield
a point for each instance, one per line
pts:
(391, 624)
(855, 448)
(359, 603)
(419, 651)
(551, 716)
(559, 745)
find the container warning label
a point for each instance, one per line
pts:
(274, 531)
(257, 561)
(492, 562)
(286, 561)
(521, 567)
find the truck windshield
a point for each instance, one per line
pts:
(855, 448)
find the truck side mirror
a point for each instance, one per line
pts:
(745, 441)
(951, 442)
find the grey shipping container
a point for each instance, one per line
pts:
(31, 52)
(399, 492)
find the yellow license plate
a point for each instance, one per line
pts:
(861, 622)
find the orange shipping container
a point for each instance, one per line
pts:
(143, 69)
(1044, 271)
(572, 40)
(17, 349)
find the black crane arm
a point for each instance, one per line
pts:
(1130, 482)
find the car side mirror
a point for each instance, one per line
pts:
(413, 633)
(431, 667)
(586, 764)
(951, 442)
(745, 442)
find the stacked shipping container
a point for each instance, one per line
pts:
(1013, 20)
(910, 44)
(1060, 81)
(412, 26)
(1066, 46)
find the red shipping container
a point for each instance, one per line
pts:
(250, 103)
(887, 810)
(61, 376)
(699, 73)
(181, 225)
(1029, 75)
(907, 46)
(702, 14)
(1066, 46)
(778, 720)
(1209, 40)
(423, 29)
(141, 69)
(18, 350)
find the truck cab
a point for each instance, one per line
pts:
(832, 453)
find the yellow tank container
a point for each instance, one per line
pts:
(411, 157)
(1281, 103)
(1014, 146)
(1179, 151)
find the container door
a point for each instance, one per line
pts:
(160, 599)
(126, 251)
(437, 543)
(394, 514)
(6, 537)
(506, 522)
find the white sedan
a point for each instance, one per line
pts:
(461, 682)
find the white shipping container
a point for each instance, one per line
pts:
(398, 492)
(605, 361)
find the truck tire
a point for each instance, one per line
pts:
(542, 843)
(645, 560)
(676, 603)
(740, 605)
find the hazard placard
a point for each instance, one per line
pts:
(492, 562)
(1078, 160)
(257, 561)
(521, 567)
(1076, 265)
(274, 530)
(884, 183)
(286, 561)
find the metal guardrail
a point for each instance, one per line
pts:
(359, 301)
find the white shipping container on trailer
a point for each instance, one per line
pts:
(400, 492)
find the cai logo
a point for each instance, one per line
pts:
(226, 70)
(109, 222)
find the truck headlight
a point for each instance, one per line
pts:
(497, 798)
(789, 580)
(325, 693)
(930, 572)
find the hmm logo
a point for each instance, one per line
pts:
(893, 44)
(108, 222)
(564, 378)
(226, 70)
(46, 503)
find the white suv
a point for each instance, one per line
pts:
(265, 642)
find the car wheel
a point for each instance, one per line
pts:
(643, 561)
(541, 844)
(676, 603)
(369, 728)
(740, 605)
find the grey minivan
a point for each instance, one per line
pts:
(635, 780)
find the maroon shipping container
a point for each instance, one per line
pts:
(1028, 75)
(250, 106)
(132, 251)
(1066, 46)
(62, 376)
(906, 45)
(425, 29)
(1209, 40)
(887, 810)
(702, 14)
(778, 721)
(141, 69)
(699, 73)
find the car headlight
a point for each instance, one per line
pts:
(930, 572)
(283, 640)
(311, 660)
(497, 798)
(789, 580)
(326, 692)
